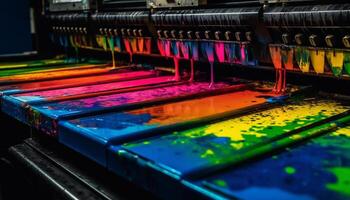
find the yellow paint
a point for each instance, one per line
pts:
(207, 153)
(335, 59)
(318, 60)
(342, 131)
(235, 129)
(304, 66)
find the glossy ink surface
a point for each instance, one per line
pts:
(216, 144)
(32, 70)
(33, 63)
(126, 124)
(60, 83)
(319, 169)
(52, 94)
(55, 73)
(61, 108)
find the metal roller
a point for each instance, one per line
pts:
(313, 16)
(121, 18)
(221, 17)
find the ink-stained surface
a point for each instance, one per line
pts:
(16, 105)
(52, 94)
(32, 70)
(317, 170)
(126, 124)
(84, 105)
(33, 63)
(91, 135)
(43, 116)
(56, 84)
(62, 72)
(217, 144)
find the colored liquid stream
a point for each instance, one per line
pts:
(305, 57)
(222, 52)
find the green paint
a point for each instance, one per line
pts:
(337, 71)
(343, 181)
(220, 183)
(302, 56)
(347, 62)
(289, 170)
(12, 72)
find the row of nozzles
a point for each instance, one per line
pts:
(207, 35)
(102, 31)
(64, 29)
(125, 32)
(316, 41)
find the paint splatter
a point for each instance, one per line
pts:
(323, 171)
(289, 170)
(49, 112)
(186, 151)
(343, 180)
(168, 114)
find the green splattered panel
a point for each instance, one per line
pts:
(216, 144)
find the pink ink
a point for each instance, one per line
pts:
(243, 53)
(81, 90)
(183, 46)
(177, 56)
(161, 47)
(193, 47)
(167, 45)
(220, 51)
(209, 50)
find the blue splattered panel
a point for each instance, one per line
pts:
(319, 169)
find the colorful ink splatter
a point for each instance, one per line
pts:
(44, 116)
(138, 121)
(220, 143)
(321, 170)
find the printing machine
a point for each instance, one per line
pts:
(179, 99)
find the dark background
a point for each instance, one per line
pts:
(15, 33)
